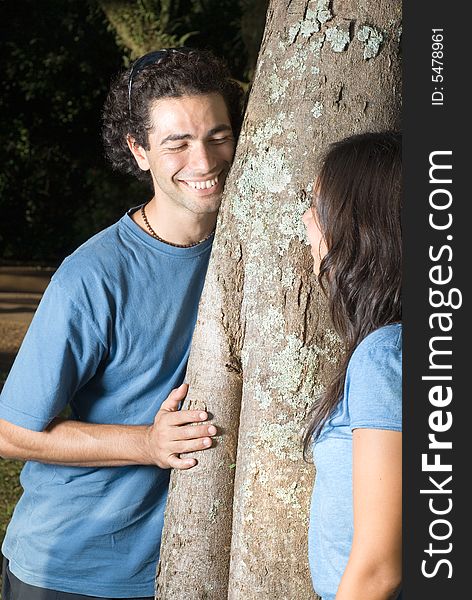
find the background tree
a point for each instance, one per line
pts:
(231, 28)
(263, 345)
(146, 25)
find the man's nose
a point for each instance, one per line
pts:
(202, 159)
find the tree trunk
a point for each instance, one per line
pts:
(325, 70)
(195, 549)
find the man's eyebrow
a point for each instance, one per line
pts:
(219, 128)
(176, 137)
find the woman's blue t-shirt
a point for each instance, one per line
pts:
(372, 399)
(110, 338)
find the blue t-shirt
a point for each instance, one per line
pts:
(372, 399)
(111, 338)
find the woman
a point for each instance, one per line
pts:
(354, 231)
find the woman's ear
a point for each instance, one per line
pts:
(138, 152)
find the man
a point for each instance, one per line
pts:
(111, 339)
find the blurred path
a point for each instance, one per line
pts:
(21, 289)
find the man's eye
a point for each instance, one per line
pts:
(222, 140)
(177, 148)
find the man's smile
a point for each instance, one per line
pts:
(202, 186)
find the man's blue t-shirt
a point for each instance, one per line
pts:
(111, 338)
(372, 399)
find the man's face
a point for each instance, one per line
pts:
(191, 150)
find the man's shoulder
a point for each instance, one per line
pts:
(96, 257)
(94, 266)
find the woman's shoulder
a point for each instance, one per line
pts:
(378, 352)
(374, 380)
(385, 339)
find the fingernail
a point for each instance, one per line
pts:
(206, 442)
(203, 416)
(212, 430)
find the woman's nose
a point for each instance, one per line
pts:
(307, 215)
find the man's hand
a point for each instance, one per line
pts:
(76, 443)
(174, 432)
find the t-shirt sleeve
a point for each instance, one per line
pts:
(59, 354)
(374, 388)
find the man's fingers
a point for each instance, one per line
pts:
(181, 417)
(193, 432)
(181, 463)
(186, 446)
(173, 400)
(184, 417)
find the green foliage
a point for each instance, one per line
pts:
(145, 25)
(142, 26)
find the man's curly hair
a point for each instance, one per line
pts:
(176, 74)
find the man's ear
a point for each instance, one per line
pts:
(138, 152)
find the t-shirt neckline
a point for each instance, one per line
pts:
(162, 247)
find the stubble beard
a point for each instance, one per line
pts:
(204, 206)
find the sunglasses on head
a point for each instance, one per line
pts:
(148, 59)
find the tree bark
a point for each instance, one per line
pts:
(195, 549)
(325, 70)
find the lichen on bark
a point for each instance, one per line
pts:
(269, 316)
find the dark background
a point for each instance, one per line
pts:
(57, 58)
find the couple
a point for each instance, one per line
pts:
(111, 338)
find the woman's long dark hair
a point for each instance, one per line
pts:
(358, 206)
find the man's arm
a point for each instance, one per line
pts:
(373, 571)
(82, 444)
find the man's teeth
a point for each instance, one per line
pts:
(202, 185)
